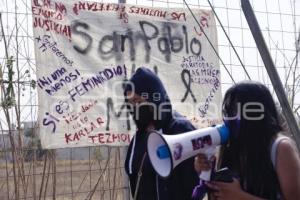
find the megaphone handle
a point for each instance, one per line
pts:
(205, 175)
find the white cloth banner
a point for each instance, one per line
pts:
(85, 50)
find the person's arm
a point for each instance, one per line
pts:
(288, 170)
(229, 191)
(247, 196)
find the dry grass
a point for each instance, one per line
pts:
(72, 180)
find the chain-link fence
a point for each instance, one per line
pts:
(29, 172)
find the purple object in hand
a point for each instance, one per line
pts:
(200, 190)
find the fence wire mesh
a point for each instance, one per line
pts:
(29, 172)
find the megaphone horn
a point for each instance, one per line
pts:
(167, 151)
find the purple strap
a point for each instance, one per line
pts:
(199, 190)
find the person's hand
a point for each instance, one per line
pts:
(226, 191)
(202, 163)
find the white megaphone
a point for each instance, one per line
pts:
(167, 151)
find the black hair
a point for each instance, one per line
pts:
(248, 152)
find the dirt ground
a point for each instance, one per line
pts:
(74, 180)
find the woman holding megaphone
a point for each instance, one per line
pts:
(266, 163)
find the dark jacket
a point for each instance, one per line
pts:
(179, 185)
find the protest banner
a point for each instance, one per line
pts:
(85, 50)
